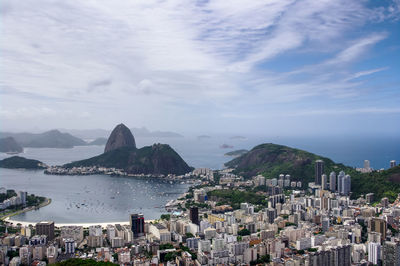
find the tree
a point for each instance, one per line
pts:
(189, 235)
(244, 232)
(165, 217)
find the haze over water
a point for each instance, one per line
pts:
(100, 198)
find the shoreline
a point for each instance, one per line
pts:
(12, 222)
(27, 209)
(85, 225)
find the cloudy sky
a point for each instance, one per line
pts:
(243, 67)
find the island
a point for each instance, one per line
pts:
(121, 153)
(236, 153)
(17, 162)
(9, 145)
(145, 133)
(98, 142)
(238, 138)
(201, 137)
(226, 146)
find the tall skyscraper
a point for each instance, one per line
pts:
(344, 183)
(332, 181)
(194, 215)
(319, 170)
(137, 224)
(392, 163)
(45, 228)
(324, 181)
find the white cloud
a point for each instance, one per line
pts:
(153, 57)
(357, 49)
(366, 73)
(339, 112)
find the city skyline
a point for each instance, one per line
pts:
(277, 67)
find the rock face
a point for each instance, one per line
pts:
(121, 153)
(120, 137)
(9, 145)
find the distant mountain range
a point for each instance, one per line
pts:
(98, 142)
(137, 132)
(8, 144)
(14, 142)
(48, 139)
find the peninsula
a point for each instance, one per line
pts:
(121, 153)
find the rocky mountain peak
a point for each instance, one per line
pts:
(120, 137)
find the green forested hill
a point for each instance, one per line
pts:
(271, 160)
(17, 162)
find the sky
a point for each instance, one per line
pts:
(279, 67)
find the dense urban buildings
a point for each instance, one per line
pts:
(232, 221)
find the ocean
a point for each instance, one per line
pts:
(99, 198)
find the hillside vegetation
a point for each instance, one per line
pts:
(155, 159)
(271, 160)
(17, 162)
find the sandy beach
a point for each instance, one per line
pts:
(24, 223)
(104, 225)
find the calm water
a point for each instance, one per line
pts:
(96, 198)
(103, 198)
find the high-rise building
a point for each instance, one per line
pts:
(391, 253)
(378, 225)
(332, 181)
(367, 165)
(319, 170)
(340, 181)
(324, 181)
(344, 183)
(374, 252)
(69, 246)
(392, 163)
(271, 214)
(45, 228)
(23, 195)
(194, 215)
(137, 224)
